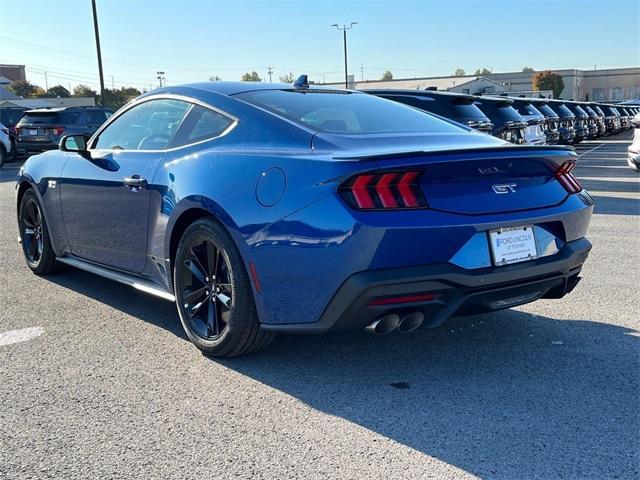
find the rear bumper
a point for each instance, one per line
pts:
(456, 291)
(32, 148)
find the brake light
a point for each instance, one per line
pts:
(58, 130)
(422, 297)
(384, 191)
(566, 178)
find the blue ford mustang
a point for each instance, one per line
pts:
(265, 208)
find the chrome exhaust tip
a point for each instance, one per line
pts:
(410, 321)
(383, 325)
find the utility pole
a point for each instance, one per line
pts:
(46, 82)
(113, 83)
(95, 27)
(362, 72)
(269, 72)
(344, 29)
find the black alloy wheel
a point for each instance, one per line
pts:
(213, 293)
(34, 235)
(207, 290)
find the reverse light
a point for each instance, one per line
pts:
(566, 178)
(383, 191)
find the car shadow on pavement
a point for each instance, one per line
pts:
(616, 205)
(506, 395)
(502, 395)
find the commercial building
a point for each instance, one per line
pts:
(610, 85)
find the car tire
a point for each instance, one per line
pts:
(34, 235)
(213, 293)
(4, 157)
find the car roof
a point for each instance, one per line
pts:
(234, 88)
(419, 93)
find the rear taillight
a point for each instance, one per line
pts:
(566, 178)
(58, 130)
(384, 191)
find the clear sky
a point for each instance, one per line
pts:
(192, 40)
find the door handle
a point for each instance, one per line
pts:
(135, 182)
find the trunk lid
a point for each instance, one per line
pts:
(477, 178)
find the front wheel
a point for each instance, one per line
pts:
(213, 293)
(34, 235)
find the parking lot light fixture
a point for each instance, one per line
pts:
(344, 29)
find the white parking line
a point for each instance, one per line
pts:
(591, 150)
(20, 335)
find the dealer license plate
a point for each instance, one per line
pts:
(513, 245)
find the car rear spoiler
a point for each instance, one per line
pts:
(490, 149)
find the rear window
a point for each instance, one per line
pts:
(10, 118)
(344, 112)
(49, 118)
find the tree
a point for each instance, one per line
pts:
(25, 89)
(251, 77)
(527, 69)
(214, 78)
(548, 80)
(116, 98)
(58, 91)
(288, 78)
(483, 71)
(387, 75)
(84, 91)
(459, 72)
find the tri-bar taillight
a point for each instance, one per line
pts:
(384, 191)
(566, 178)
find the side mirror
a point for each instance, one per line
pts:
(73, 143)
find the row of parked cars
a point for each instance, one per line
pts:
(25, 132)
(521, 120)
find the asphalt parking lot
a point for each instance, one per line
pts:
(109, 387)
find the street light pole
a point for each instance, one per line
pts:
(95, 28)
(344, 29)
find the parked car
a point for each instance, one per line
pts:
(534, 133)
(611, 118)
(9, 117)
(627, 117)
(458, 107)
(552, 120)
(581, 122)
(261, 208)
(5, 145)
(634, 149)
(41, 129)
(507, 122)
(567, 121)
(600, 118)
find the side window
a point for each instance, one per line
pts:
(97, 117)
(148, 126)
(201, 124)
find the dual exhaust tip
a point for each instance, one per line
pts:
(406, 322)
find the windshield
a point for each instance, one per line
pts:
(565, 112)
(469, 111)
(529, 110)
(547, 111)
(344, 112)
(579, 111)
